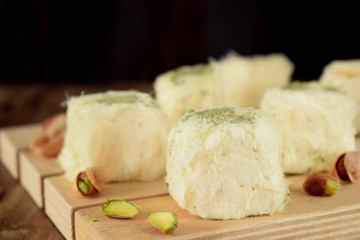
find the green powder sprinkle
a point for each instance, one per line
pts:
(127, 99)
(228, 115)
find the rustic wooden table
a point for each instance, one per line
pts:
(20, 218)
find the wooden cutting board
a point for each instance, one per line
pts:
(305, 217)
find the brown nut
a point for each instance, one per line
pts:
(346, 167)
(321, 185)
(50, 143)
(47, 147)
(38, 142)
(88, 183)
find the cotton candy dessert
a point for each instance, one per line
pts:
(345, 75)
(224, 163)
(315, 123)
(183, 88)
(242, 81)
(121, 135)
(235, 80)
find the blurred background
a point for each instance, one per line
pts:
(110, 44)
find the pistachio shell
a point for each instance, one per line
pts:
(346, 167)
(88, 182)
(47, 147)
(352, 165)
(335, 169)
(95, 178)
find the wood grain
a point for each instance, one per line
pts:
(12, 141)
(33, 171)
(62, 199)
(20, 218)
(305, 217)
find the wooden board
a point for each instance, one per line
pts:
(34, 170)
(12, 141)
(304, 216)
(62, 199)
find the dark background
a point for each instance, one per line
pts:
(129, 40)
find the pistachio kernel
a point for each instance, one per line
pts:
(165, 221)
(118, 208)
(317, 185)
(84, 185)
